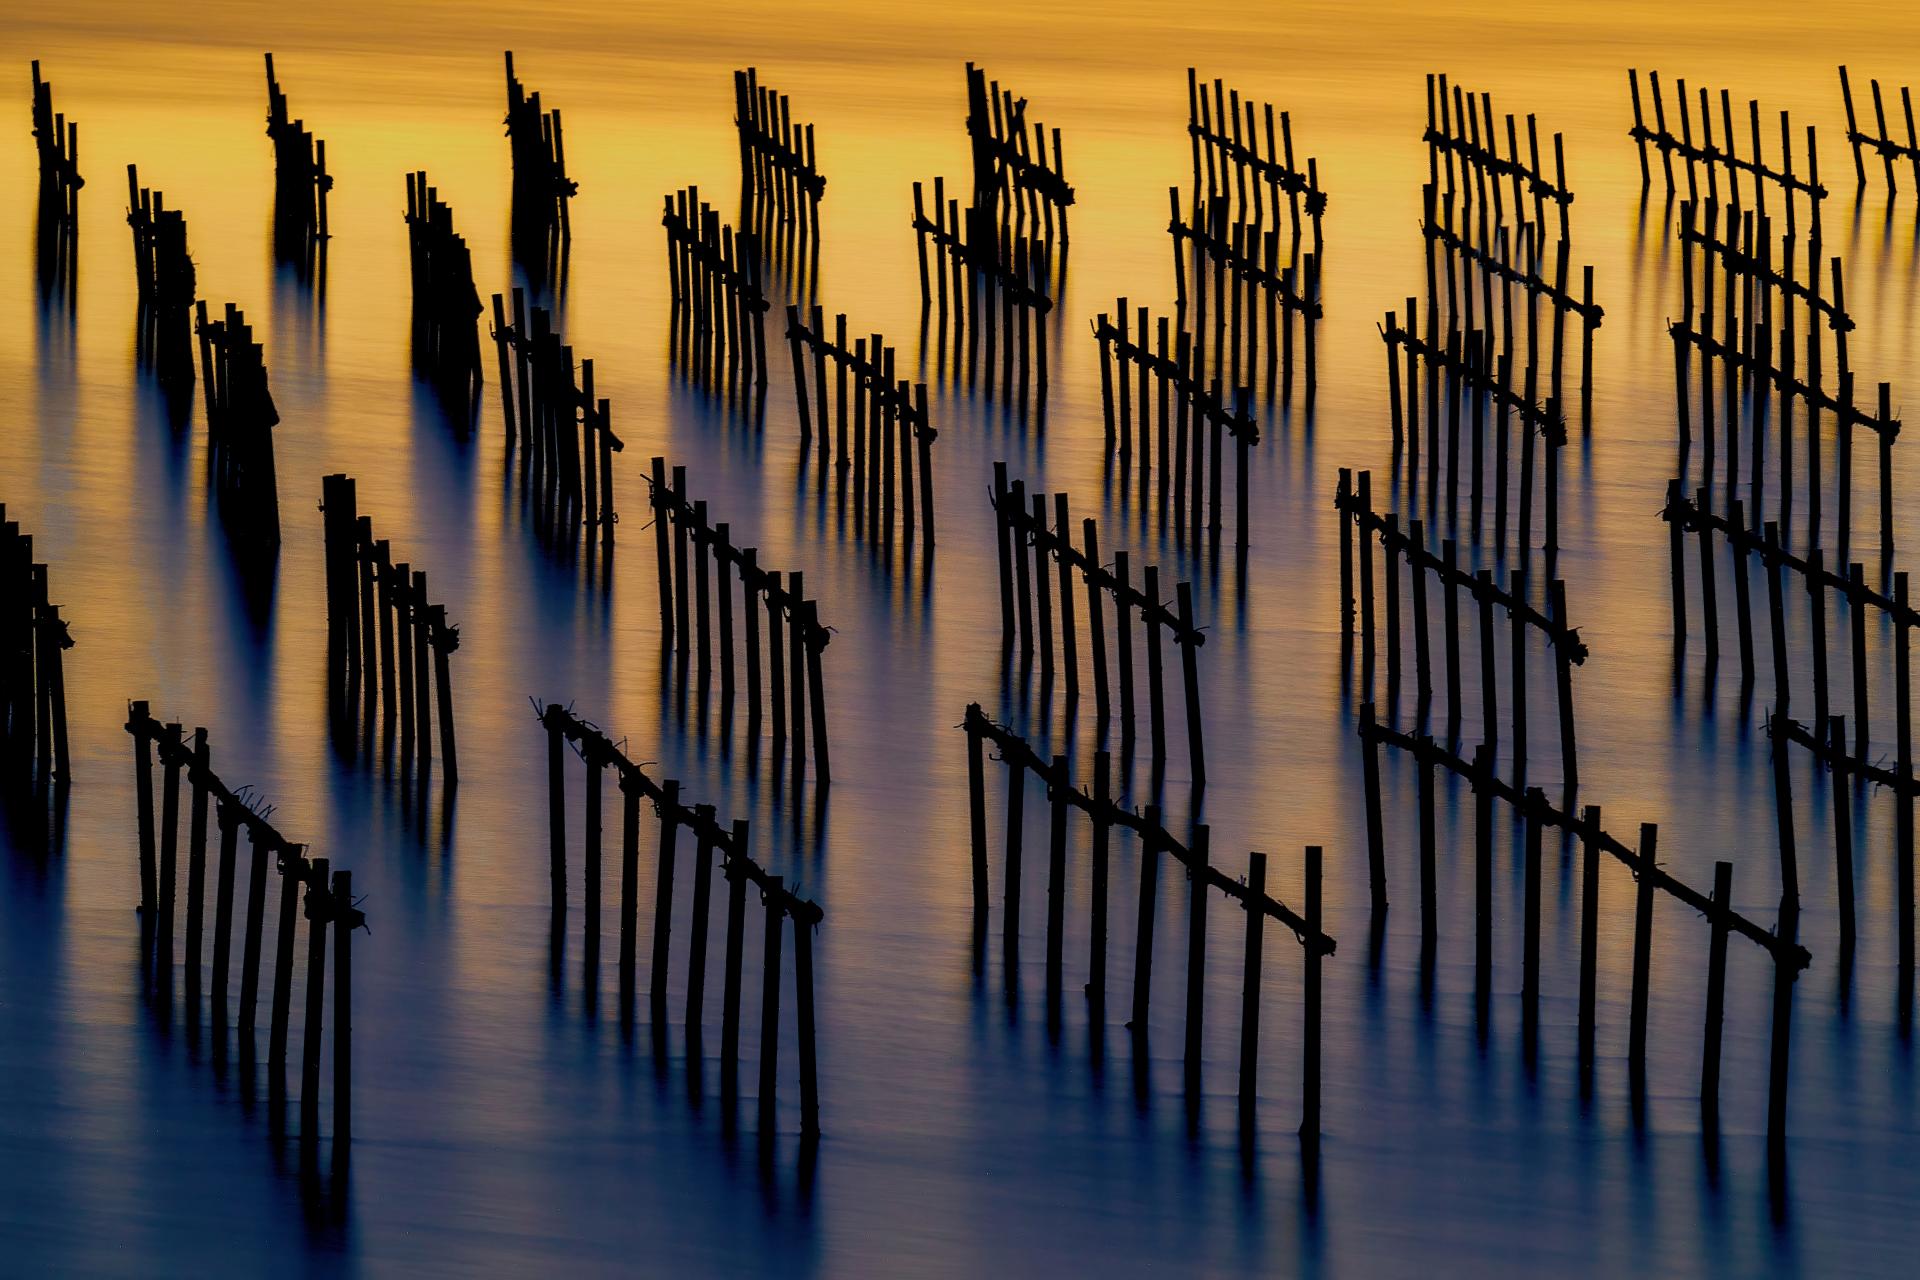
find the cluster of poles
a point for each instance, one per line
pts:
(240, 421)
(1105, 816)
(33, 684)
(383, 633)
(565, 429)
(303, 886)
(890, 426)
(542, 225)
(699, 566)
(446, 302)
(717, 331)
(164, 283)
(1026, 543)
(716, 847)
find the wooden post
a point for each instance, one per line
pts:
(1143, 931)
(1197, 875)
(229, 819)
(1783, 977)
(803, 1010)
(770, 1005)
(1310, 1003)
(140, 721)
(629, 885)
(1484, 780)
(1716, 994)
(1059, 781)
(1376, 839)
(1642, 950)
(443, 686)
(977, 812)
(1590, 833)
(318, 913)
(663, 900)
(704, 828)
(1562, 646)
(290, 871)
(556, 810)
(1903, 765)
(1536, 803)
(1010, 906)
(1837, 760)
(1096, 620)
(258, 862)
(1250, 982)
(345, 920)
(1102, 829)
(196, 875)
(1517, 646)
(1677, 561)
(736, 934)
(1190, 674)
(170, 751)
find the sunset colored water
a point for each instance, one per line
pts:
(502, 1124)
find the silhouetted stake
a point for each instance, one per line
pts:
(1250, 986)
(1590, 836)
(1836, 739)
(1102, 829)
(556, 817)
(1903, 764)
(345, 920)
(169, 845)
(1428, 885)
(1642, 953)
(1770, 536)
(196, 873)
(1197, 868)
(1059, 782)
(1716, 999)
(1530, 938)
(228, 817)
(770, 1008)
(663, 901)
(318, 911)
(737, 877)
(704, 830)
(260, 850)
(1376, 839)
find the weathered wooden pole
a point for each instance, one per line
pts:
(1059, 782)
(735, 867)
(776, 907)
(556, 809)
(1590, 834)
(319, 911)
(663, 900)
(196, 875)
(1716, 994)
(1143, 930)
(345, 920)
(140, 721)
(1102, 831)
(1642, 951)
(1376, 838)
(1198, 876)
(1255, 904)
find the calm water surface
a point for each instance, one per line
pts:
(501, 1127)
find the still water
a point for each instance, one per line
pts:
(501, 1127)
